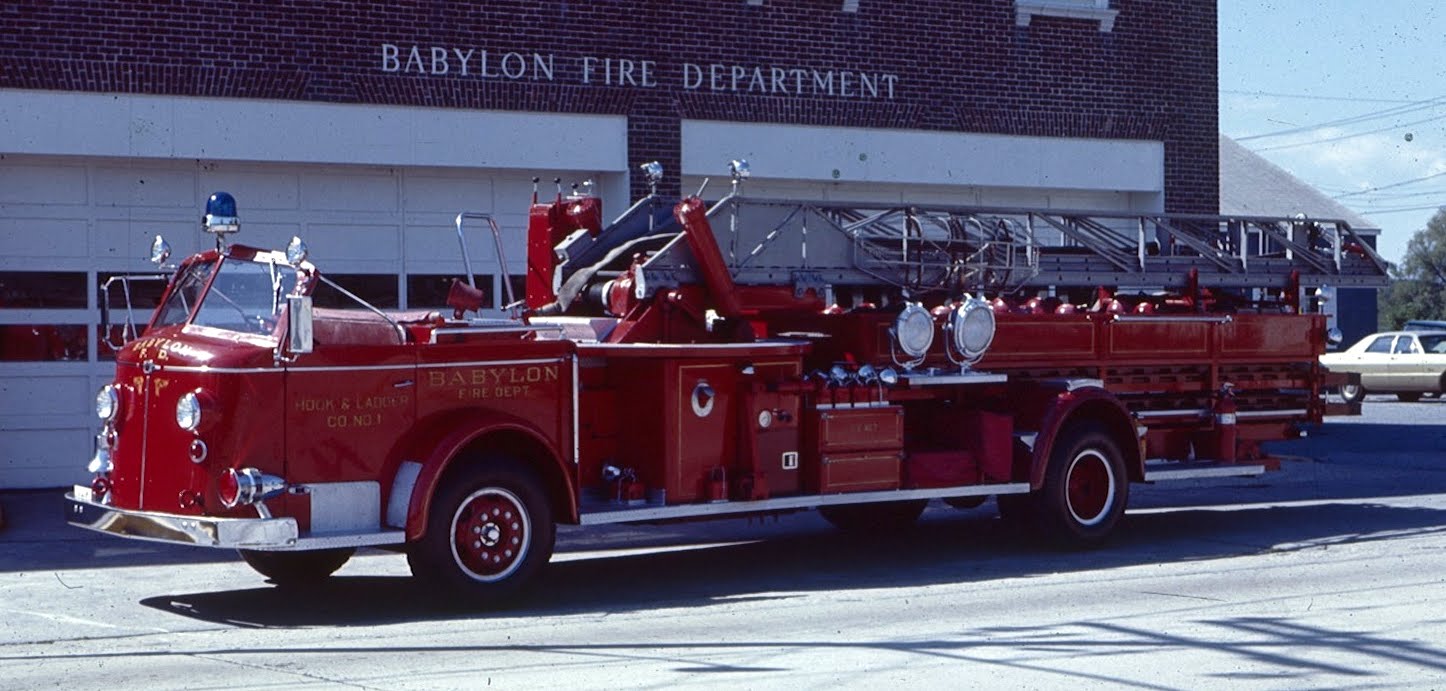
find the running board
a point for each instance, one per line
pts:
(1192, 471)
(626, 514)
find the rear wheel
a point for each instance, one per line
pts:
(1353, 393)
(1408, 396)
(296, 568)
(866, 518)
(1085, 488)
(489, 532)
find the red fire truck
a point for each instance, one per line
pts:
(693, 360)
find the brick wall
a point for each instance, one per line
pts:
(958, 65)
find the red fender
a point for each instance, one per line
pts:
(445, 452)
(1095, 403)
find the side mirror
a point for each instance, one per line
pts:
(298, 335)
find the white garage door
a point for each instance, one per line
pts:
(953, 195)
(67, 223)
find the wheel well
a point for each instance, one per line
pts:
(1115, 423)
(532, 456)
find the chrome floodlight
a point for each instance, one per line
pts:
(971, 330)
(160, 251)
(653, 172)
(912, 334)
(297, 251)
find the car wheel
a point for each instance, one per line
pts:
(1353, 393)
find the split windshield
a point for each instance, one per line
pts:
(245, 296)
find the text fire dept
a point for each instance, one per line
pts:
(492, 382)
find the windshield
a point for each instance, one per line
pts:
(245, 296)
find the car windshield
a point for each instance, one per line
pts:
(245, 296)
(1434, 343)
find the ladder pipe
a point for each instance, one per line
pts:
(693, 218)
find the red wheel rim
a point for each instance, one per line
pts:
(490, 534)
(1090, 487)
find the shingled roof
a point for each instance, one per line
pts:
(1253, 186)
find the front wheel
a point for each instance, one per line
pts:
(1353, 393)
(1085, 488)
(489, 532)
(296, 568)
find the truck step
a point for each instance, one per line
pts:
(611, 512)
(1157, 470)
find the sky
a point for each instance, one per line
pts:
(1352, 94)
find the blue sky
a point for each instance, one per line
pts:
(1299, 68)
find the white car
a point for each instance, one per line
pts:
(1405, 363)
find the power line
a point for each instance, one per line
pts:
(1354, 119)
(1314, 97)
(1400, 209)
(1402, 183)
(1391, 196)
(1351, 136)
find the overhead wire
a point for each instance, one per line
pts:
(1413, 107)
(1316, 97)
(1399, 209)
(1352, 135)
(1393, 185)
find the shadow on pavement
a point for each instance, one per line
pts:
(957, 548)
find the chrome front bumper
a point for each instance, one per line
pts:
(202, 531)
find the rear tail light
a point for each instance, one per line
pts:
(240, 486)
(229, 488)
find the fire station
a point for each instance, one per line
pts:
(366, 127)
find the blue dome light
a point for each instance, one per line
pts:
(220, 217)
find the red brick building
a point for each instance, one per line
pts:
(365, 127)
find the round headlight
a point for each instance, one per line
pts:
(107, 402)
(972, 324)
(914, 330)
(188, 411)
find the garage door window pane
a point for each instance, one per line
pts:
(42, 342)
(145, 291)
(42, 290)
(429, 291)
(519, 287)
(378, 289)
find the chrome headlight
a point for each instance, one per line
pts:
(914, 330)
(188, 411)
(972, 327)
(107, 402)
